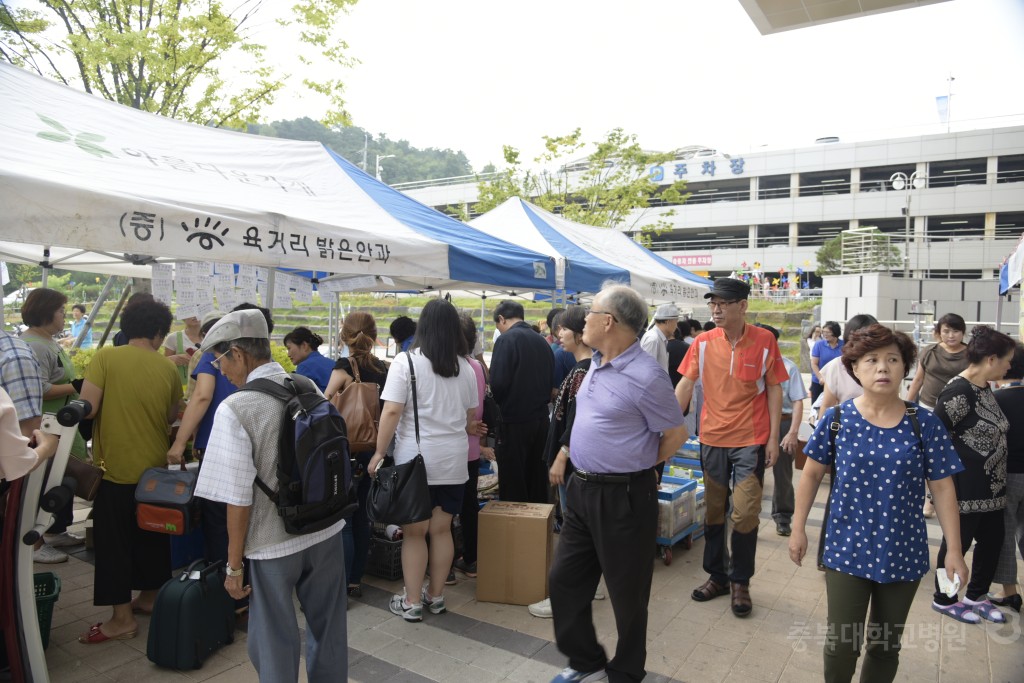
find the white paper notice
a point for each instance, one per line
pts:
(304, 292)
(163, 279)
(349, 284)
(282, 296)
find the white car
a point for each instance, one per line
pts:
(17, 296)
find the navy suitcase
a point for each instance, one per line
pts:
(193, 617)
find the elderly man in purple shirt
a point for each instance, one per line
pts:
(626, 423)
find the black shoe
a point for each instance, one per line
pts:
(783, 528)
(1012, 601)
(451, 580)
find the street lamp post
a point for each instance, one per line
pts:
(901, 181)
(381, 158)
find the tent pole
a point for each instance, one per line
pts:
(268, 297)
(45, 265)
(92, 315)
(117, 311)
(999, 312)
(330, 328)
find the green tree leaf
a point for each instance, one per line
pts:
(168, 56)
(610, 187)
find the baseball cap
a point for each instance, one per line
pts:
(666, 312)
(730, 289)
(249, 324)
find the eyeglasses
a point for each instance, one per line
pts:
(590, 310)
(216, 361)
(720, 305)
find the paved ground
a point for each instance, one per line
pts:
(687, 641)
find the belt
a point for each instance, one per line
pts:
(599, 478)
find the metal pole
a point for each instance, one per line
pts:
(45, 267)
(906, 238)
(117, 311)
(92, 315)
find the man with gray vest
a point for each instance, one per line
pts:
(243, 445)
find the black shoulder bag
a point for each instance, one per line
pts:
(399, 494)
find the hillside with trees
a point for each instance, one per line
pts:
(407, 164)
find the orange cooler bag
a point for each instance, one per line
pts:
(165, 501)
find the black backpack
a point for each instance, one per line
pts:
(314, 469)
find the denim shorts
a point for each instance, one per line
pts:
(447, 496)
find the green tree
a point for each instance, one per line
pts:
(407, 163)
(194, 60)
(610, 188)
(867, 250)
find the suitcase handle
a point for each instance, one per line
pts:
(204, 572)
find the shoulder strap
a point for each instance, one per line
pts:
(353, 365)
(270, 387)
(914, 421)
(833, 429)
(415, 407)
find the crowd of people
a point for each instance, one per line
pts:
(591, 409)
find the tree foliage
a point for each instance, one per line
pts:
(407, 163)
(194, 60)
(610, 188)
(875, 254)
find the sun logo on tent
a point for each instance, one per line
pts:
(84, 141)
(206, 239)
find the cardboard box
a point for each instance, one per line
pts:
(514, 552)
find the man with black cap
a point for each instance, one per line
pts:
(243, 445)
(655, 340)
(742, 371)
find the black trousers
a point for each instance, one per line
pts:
(127, 558)
(609, 529)
(522, 471)
(985, 529)
(470, 514)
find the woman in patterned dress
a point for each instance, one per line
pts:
(978, 428)
(876, 542)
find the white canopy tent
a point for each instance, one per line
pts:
(586, 256)
(82, 172)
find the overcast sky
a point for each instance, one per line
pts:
(477, 74)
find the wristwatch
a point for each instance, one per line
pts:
(235, 572)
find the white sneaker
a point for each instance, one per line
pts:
(541, 609)
(435, 605)
(46, 554)
(570, 675)
(64, 540)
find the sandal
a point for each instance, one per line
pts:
(958, 611)
(986, 610)
(741, 604)
(95, 635)
(709, 590)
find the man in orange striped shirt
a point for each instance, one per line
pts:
(741, 370)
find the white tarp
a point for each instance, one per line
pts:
(587, 256)
(83, 172)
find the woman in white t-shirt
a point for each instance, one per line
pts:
(446, 400)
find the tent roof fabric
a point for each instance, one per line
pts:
(587, 256)
(83, 172)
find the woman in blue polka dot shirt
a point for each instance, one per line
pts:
(876, 543)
